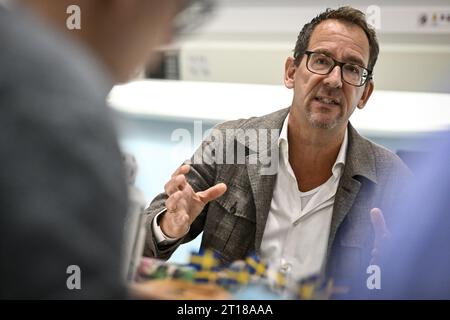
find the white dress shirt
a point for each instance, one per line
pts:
(296, 235)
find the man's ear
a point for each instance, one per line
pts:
(366, 94)
(289, 72)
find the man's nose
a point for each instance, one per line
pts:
(334, 79)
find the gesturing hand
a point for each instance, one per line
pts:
(183, 204)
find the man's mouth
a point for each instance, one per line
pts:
(327, 100)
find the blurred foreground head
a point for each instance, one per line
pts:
(123, 33)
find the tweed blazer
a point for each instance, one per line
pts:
(233, 225)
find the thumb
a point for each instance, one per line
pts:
(212, 193)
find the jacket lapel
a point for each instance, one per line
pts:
(360, 162)
(262, 189)
(262, 170)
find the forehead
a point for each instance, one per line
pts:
(345, 41)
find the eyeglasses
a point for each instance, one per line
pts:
(353, 74)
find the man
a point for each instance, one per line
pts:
(314, 214)
(63, 190)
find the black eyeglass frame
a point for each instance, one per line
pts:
(340, 64)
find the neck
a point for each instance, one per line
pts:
(312, 152)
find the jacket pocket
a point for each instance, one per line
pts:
(238, 202)
(230, 226)
(352, 250)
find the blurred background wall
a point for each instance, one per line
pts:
(247, 41)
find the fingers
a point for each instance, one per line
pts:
(183, 204)
(172, 201)
(184, 169)
(378, 223)
(176, 221)
(177, 180)
(176, 183)
(212, 193)
(381, 233)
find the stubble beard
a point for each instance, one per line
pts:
(320, 123)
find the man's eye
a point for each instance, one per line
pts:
(353, 69)
(322, 62)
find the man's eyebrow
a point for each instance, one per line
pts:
(350, 59)
(323, 51)
(355, 60)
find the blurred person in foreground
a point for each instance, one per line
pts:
(63, 190)
(415, 259)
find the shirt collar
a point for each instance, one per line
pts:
(340, 159)
(284, 130)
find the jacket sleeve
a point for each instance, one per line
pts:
(201, 177)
